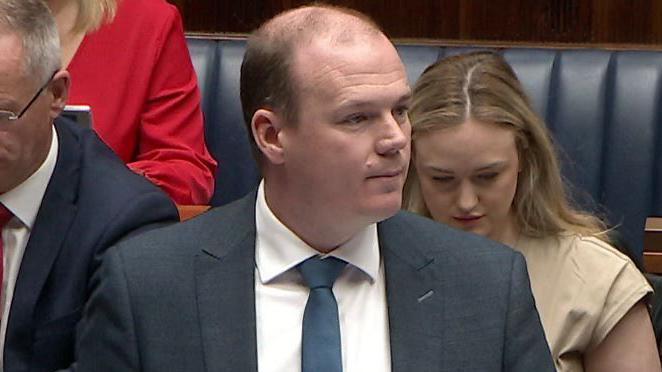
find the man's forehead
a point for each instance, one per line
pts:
(336, 96)
(11, 52)
(13, 73)
(321, 59)
(10, 45)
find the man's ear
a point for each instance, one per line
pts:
(59, 88)
(266, 125)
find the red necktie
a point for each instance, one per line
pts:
(5, 216)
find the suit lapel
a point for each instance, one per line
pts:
(50, 229)
(414, 303)
(225, 289)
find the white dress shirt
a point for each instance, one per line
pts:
(23, 201)
(281, 295)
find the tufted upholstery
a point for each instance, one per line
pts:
(602, 106)
(217, 64)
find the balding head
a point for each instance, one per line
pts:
(301, 25)
(266, 71)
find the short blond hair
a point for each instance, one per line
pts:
(93, 13)
(482, 86)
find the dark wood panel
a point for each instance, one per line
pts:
(575, 21)
(623, 21)
(653, 245)
(656, 22)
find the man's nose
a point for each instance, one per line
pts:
(396, 136)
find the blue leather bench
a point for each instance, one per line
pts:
(603, 107)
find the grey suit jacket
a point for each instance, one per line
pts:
(182, 299)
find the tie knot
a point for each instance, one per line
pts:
(5, 215)
(319, 272)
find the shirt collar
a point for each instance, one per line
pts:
(24, 200)
(278, 249)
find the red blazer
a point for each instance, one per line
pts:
(137, 75)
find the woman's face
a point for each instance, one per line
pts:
(468, 177)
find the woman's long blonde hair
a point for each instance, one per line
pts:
(93, 13)
(482, 86)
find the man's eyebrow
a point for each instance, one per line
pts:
(358, 103)
(406, 98)
(354, 103)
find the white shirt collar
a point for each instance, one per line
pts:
(24, 200)
(278, 249)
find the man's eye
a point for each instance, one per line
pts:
(400, 113)
(6, 115)
(356, 118)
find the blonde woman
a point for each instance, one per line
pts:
(483, 161)
(129, 62)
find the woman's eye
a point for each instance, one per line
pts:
(487, 176)
(442, 179)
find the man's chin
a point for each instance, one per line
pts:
(384, 209)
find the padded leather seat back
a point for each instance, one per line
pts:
(602, 107)
(603, 110)
(217, 64)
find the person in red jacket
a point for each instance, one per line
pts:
(130, 63)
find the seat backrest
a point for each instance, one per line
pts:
(602, 107)
(217, 63)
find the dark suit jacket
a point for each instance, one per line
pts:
(182, 299)
(91, 201)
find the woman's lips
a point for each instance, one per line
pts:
(467, 220)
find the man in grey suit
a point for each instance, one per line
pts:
(250, 286)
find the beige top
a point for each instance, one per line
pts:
(582, 287)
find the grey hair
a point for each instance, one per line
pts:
(33, 23)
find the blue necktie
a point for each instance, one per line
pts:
(320, 346)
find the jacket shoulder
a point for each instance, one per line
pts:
(215, 232)
(104, 191)
(436, 238)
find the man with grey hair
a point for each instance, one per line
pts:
(64, 197)
(317, 270)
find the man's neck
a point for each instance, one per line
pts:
(310, 224)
